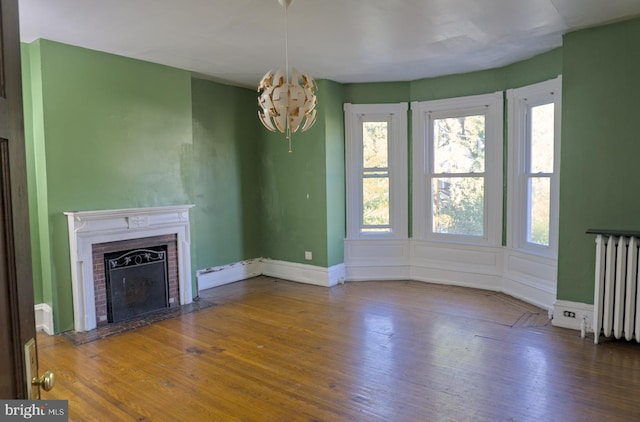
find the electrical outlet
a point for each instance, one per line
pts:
(569, 314)
(308, 255)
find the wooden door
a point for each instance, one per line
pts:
(17, 321)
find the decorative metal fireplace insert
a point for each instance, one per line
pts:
(137, 282)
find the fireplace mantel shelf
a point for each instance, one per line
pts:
(126, 212)
(87, 228)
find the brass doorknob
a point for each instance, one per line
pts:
(46, 381)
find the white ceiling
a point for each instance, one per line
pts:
(237, 41)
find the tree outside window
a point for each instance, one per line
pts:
(458, 175)
(375, 176)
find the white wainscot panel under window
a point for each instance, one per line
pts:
(530, 277)
(376, 260)
(526, 276)
(462, 265)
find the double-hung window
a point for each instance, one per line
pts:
(534, 144)
(457, 169)
(376, 170)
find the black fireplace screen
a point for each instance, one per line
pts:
(136, 282)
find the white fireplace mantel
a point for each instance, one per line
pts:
(87, 228)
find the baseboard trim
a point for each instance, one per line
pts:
(44, 318)
(304, 273)
(225, 274)
(337, 274)
(301, 273)
(573, 315)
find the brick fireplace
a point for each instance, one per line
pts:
(100, 274)
(92, 234)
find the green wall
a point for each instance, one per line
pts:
(537, 69)
(28, 106)
(294, 196)
(226, 219)
(332, 115)
(114, 133)
(109, 132)
(377, 93)
(303, 192)
(283, 203)
(599, 180)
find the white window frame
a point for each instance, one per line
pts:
(396, 115)
(520, 100)
(423, 114)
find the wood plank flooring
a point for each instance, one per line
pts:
(273, 350)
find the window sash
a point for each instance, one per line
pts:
(436, 223)
(389, 178)
(538, 212)
(447, 207)
(489, 106)
(527, 212)
(371, 212)
(440, 155)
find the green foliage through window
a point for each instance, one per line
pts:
(375, 180)
(458, 180)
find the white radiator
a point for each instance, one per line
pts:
(616, 296)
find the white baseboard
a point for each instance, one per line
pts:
(572, 315)
(337, 274)
(225, 274)
(303, 273)
(44, 318)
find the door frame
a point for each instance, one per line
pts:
(17, 319)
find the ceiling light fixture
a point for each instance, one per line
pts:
(285, 103)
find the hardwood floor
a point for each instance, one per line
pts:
(273, 350)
